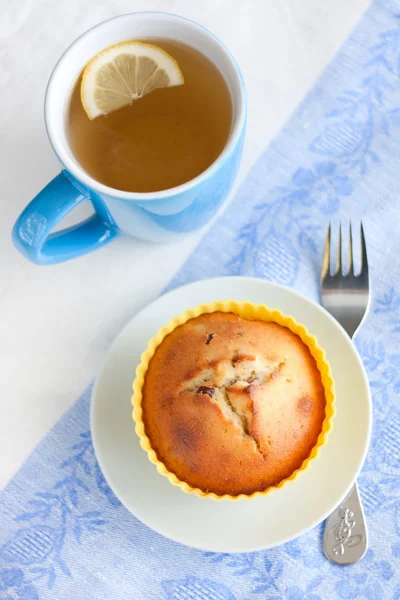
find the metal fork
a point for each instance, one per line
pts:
(346, 296)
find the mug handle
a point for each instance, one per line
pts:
(32, 231)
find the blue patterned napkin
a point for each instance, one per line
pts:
(64, 535)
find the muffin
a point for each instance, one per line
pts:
(232, 405)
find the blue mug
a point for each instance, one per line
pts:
(157, 217)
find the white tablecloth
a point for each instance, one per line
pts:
(56, 323)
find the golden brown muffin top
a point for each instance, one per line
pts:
(231, 405)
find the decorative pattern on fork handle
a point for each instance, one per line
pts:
(345, 536)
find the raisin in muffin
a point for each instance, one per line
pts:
(230, 405)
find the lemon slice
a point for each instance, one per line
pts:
(123, 73)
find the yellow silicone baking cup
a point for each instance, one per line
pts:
(250, 311)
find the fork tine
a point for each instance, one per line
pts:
(339, 252)
(364, 260)
(351, 262)
(325, 269)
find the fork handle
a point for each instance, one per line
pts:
(345, 536)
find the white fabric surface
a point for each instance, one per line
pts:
(57, 322)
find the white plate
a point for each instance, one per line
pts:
(230, 526)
